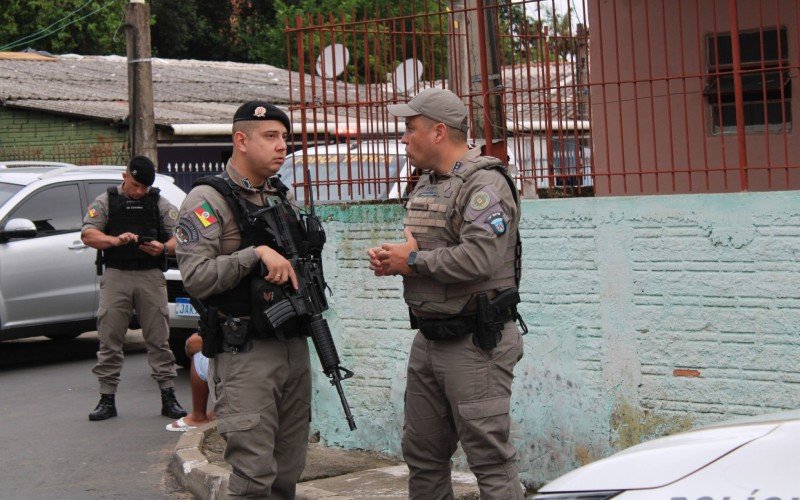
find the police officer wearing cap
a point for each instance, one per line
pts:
(131, 227)
(260, 378)
(460, 266)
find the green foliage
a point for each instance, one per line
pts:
(63, 26)
(215, 30)
(542, 35)
(372, 36)
(253, 31)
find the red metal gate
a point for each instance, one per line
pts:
(582, 97)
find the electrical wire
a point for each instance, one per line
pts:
(45, 32)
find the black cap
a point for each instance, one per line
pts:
(142, 170)
(261, 110)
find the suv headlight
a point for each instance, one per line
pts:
(578, 495)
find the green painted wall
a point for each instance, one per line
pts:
(30, 135)
(647, 315)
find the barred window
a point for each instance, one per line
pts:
(766, 83)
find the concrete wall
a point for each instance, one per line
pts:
(647, 315)
(31, 135)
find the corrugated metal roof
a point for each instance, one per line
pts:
(202, 92)
(184, 91)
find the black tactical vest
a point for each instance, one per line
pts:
(254, 231)
(140, 217)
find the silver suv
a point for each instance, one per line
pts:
(48, 280)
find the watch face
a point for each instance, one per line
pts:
(412, 259)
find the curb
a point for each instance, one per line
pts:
(207, 481)
(191, 468)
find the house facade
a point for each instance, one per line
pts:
(694, 97)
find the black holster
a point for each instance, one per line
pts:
(210, 332)
(98, 263)
(489, 326)
(493, 314)
(235, 336)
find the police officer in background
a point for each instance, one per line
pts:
(260, 378)
(130, 225)
(461, 252)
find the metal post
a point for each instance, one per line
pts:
(737, 92)
(301, 70)
(489, 121)
(141, 117)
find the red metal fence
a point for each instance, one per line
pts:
(582, 97)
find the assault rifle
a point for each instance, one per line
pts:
(308, 302)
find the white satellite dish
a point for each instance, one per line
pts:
(406, 75)
(332, 61)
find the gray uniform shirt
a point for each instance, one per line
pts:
(208, 238)
(480, 251)
(97, 214)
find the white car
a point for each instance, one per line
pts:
(352, 171)
(754, 457)
(48, 280)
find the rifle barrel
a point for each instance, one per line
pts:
(349, 416)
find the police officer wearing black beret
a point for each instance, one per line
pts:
(131, 227)
(261, 378)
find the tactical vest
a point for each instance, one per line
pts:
(238, 301)
(140, 217)
(436, 223)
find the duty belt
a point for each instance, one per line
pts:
(451, 328)
(132, 265)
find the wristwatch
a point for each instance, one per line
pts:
(411, 261)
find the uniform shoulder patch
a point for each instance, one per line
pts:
(496, 221)
(186, 233)
(205, 214)
(479, 200)
(92, 211)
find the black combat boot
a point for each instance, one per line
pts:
(105, 408)
(169, 405)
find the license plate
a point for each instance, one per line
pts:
(184, 308)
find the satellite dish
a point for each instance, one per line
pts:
(407, 74)
(332, 61)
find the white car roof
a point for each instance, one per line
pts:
(31, 175)
(24, 175)
(357, 147)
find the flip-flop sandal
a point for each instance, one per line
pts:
(179, 425)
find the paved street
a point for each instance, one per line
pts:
(50, 449)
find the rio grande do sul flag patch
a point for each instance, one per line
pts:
(205, 214)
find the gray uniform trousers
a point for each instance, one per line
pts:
(456, 391)
(120, 292)
(263, 407)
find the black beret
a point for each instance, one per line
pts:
(261, 110)
(142, 170)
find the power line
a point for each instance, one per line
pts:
(45, 32)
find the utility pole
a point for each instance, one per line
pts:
(484, 82)
(141, 117)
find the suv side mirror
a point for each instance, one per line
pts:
(18, 228)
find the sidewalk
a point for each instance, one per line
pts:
(330, 473)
